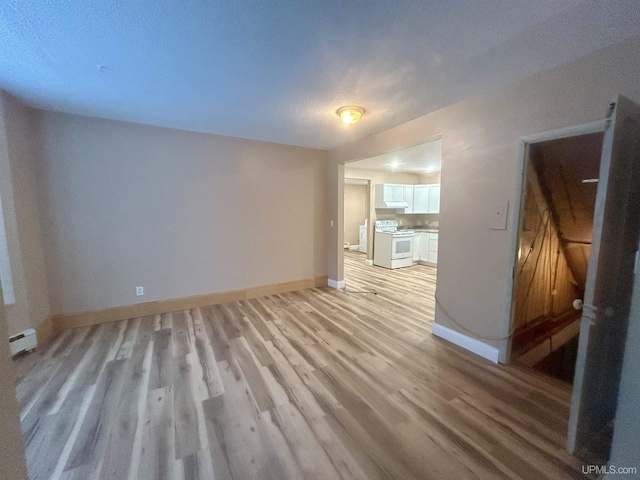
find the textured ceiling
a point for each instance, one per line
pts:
(278, 70)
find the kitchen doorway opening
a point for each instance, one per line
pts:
(554, 242)
(402, 188)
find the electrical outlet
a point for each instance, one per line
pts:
(140, 291)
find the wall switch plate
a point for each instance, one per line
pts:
(498, 220)
(331, 223)
(139, 291)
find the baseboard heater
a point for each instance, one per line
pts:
(24, 341)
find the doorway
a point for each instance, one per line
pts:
(612, 263)
(356, 214)
(560, 185)
(404, 170)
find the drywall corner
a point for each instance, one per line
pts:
(12, 459)
(22, 218)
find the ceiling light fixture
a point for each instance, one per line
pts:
(350, 115)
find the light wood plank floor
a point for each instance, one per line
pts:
(316, 384)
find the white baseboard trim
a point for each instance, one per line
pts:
(468, 343)
(354, 247)
(336, 284)
(369, 262)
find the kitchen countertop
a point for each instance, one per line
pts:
(421, 230)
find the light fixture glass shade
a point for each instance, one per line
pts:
(350, 115)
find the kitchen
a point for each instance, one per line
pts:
(392, 205)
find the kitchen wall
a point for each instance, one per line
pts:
(380, 176)
(179, 213)
(481, 139)
(355, 211)
(434, 177)
(21, 218)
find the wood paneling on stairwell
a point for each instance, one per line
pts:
(546, 286)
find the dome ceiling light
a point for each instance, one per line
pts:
(350, 115)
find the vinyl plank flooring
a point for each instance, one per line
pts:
(119, 451)
(157, 459)
(46, 442)
(91, 439)
(320, 383)
(162, 364)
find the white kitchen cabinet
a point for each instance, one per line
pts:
(424, 247)
(418, 239)
(391, 195)
(434, 199)
(426, 198)
(432, 255)
(396, 192)
(408, 197)
(420, 198)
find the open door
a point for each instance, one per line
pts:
(609, 282)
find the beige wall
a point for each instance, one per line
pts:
(355, 211)
(12, 461)
(22, 219)
(481, 138)
(434, 177)
(179, 213)
(336, 215)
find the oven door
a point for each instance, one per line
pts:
(402, 247)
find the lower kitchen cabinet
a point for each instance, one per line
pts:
(417, 241)
(426, 248)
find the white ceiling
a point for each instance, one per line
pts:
(277, 70)
(423, 158)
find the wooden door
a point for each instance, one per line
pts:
(609, 280)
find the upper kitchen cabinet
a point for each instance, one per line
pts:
(426, 198)
(389, 195)
(434, 199)
(408, 196)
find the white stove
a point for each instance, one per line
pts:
(392, 248)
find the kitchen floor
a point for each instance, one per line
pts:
(415, 286)
(320, 383)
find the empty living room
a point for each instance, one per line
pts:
(179, 296)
